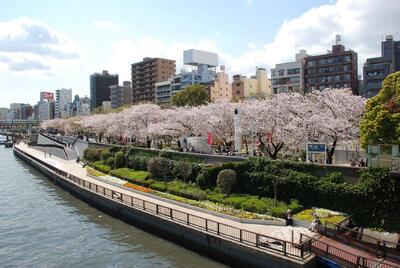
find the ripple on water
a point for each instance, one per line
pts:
(42, 225)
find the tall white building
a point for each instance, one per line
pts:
(63, 99)
(289, 76)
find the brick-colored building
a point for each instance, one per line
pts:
(146, 74)
(337, 69)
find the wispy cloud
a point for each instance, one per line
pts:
(28, 45)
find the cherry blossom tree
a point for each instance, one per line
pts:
(335, 116)
(284, 122)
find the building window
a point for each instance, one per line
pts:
(293, 71)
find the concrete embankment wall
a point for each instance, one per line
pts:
(230, 252)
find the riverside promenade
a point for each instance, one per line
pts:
(278, 244)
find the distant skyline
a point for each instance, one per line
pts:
(48, 45)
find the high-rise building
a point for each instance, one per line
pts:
(26, 111)
(100, 88)
(3, 113)
(43, 110)
(255, 86)
(15, 110)
(121, 95)
(376, 69)
(62, 104)
(146, 73)
(336, 69)
(289, 76)
(221, 89)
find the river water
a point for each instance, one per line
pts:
(43, 226)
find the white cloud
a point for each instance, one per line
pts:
(105, 24)
(30, 47)
(362, 24)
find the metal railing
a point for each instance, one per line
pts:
(245, 237)
(343, 257)
(380, 248)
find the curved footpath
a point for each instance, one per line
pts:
(253, 245)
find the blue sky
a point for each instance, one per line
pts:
(47, 45)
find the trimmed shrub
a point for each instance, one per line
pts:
(91, 154)
(159, 167)
(110, 161)
(334, 177)
(226, 179)
(105, 154)
(137, 162)
(101, 167)
(119, 159)
(130, 175)
(181, 170)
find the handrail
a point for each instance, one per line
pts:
(379, 247)
(245, 237)
(343, 257)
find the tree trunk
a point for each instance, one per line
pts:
(329, 154)
(148, 143)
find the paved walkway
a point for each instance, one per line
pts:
(70, 166)
(354, 251)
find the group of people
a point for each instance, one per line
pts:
(314, 226)
(225, 150)
(360, 163)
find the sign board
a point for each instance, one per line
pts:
(46, 95)
(316, 152)
(316, 147)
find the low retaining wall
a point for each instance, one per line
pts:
(277, 222)
(228, 251)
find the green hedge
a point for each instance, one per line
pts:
(131, 175)
(100, 166)
(374, 201)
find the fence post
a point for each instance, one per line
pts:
(187, 219)
(384, 249)
(301, 250)
(217, 228)
(206, 225)
(90, 186)
(104, 191)
(241, 235)
(156, 208)
(257, 240)
(284, 248)
(112, 194)
(170, 214)
(301, 237)
(97, 188)
(144, 207)
(131, 201)
(358, 261)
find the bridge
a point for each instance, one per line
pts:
(18, 124)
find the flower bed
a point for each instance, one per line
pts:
(138, 187)
(324, 215)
